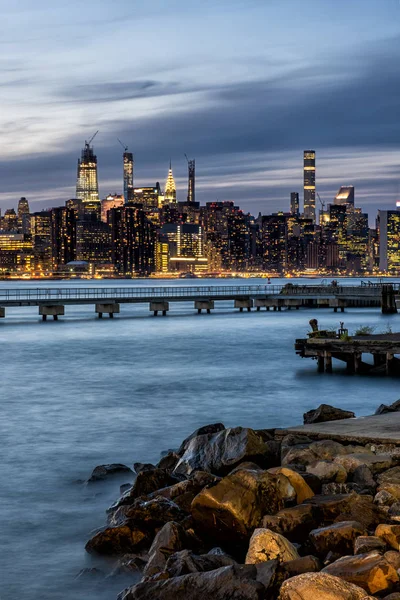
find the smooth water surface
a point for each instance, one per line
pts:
(81, 392)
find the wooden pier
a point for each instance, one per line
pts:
(383, 349)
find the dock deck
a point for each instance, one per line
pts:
(383, 429)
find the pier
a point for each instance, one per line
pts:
(382, 348)
(107, 300)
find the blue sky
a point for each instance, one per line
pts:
(242, 86)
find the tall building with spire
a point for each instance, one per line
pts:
(191, 180)
(309, 184)
(170, 187)
(87, 187)
(128, 177)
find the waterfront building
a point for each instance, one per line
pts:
(389, 241)
(87, 188)
(63, 235)
(170, 188)
(16, 253)
(93, 242)
(128, 177)
(40, 226)
(273, 242)
(180, 247)
(112, 201)
(309, 184)
(294, 204)
(133, 239)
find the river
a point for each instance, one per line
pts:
(81, 392)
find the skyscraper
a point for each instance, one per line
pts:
(63, 235)
(170, 187)
(309, 184)
(191, 181)
(87, 188)
(128, 177)
(389, 241)
(345, 196)
(294, 204)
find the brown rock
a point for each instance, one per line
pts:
(390, 534)
(368, 543)
(147, 481)
(320, 586)
(170, 539)
(232, 508)
(393, 558)
(304, 564)
(327, 449)
(267, 545)
(375, 462)
(330, 507)
(390, 476)
(391, 488)
(384, 498)
(372, 572)
(116, 540)
(185, 562)
(302, 489)
(295, 522)
(362, 476)
(326, 412)
(336, 538)
(362, 509)
(328, 471)
(394, 596)
(298, 455)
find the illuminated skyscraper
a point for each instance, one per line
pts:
(87, 188)
(128, 177)
(389, 241)
(191, 181)
(309, 184)
(345, 196)
(170, 187)
(294, 204)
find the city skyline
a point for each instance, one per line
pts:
(245, 112)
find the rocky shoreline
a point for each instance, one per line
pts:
(244, 514)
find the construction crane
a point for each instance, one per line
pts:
(321, 203)
(91, 139)
(123, 145)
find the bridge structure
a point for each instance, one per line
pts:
(107, 300)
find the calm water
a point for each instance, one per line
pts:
(81, 392)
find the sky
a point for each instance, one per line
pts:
(242, 86)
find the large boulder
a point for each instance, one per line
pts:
(267, 545)
(205, 430)
(390, 476)
(232, 508)
(233, 582)
(221, 452)
(147, 481)
(391, 488)
(294, 522)
(385, 408)
(390, 534)
(336, 538)
(302, 489)
(114, 541)
(327, 449)
(363, 477)
(185, 562)
(324, 413)
(371, 571)
(102, 472)
(331, 507)
(170, 539)
(320, 586)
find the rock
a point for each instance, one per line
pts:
(116, 540)
(393, 558)
(295, 522)
(340, 488)
(336, 538)
(362, 475)
(320, 586)
(147, 481)
(268, 545)
(392, 488)
(368, 543)
(298, 455)
(90, 572)
(168, 462)
(124, 488)
(330, 507)
(384, 408)
(170, 539)
(390, 476)
(302, 489)
(266, 573)
(394, 596)
(384, 498)
(372, 572)
(390, 534)
(185, 562)
(313, 482)
(141, 467)
(233, 582)
(129, 563)
(304, 564)
(184, 492)
(231, 509)
(327, 449)
(102, 472)
(375, 462)
(394, 512)
(328, 471)
(205, 430)
(362, 509)
(324, 413)
(221, 452)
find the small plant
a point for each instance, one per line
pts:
(364, 330)
(344, 337)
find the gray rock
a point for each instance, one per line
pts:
(336, 538)
(362, 475)
(368, 543)
(324, 413)
(185, 562)
(233, 582)
(170, 539)
(102, 472)
(205, 430)
(384, 408)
